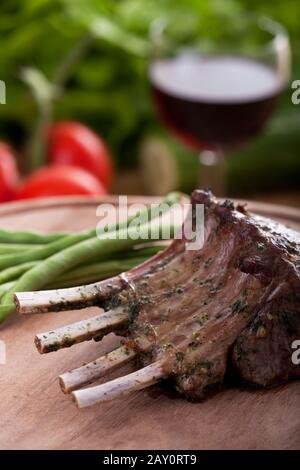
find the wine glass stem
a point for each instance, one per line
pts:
(213, 172)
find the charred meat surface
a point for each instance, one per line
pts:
(235, 301)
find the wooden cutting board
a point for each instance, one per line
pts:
(34, 414)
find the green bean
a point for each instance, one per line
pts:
(5, 288)
(6, 309)
(36, 254)
(10, 248)
(43, 252)
(112, 264)
(31, 238)
(72, 239)
(113, 238)
(95, 272)
(15, 271)
(134, 252)
(97, 247)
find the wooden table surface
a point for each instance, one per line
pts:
(35, 414)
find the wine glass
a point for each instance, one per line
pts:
(215, 88)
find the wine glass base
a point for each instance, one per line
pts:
(212, 172)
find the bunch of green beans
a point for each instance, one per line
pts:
(31, 261)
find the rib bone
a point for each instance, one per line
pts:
(92, 371)
(80, 331)
(73, 298)
(121, 386)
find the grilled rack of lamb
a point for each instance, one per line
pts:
(190, 314)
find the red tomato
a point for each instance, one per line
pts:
(72, 143)
(9, 175)
(59, 181)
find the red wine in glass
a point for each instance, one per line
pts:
(215, 102)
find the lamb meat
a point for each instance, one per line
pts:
(189, 314)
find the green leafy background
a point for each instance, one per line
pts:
(108, 89)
